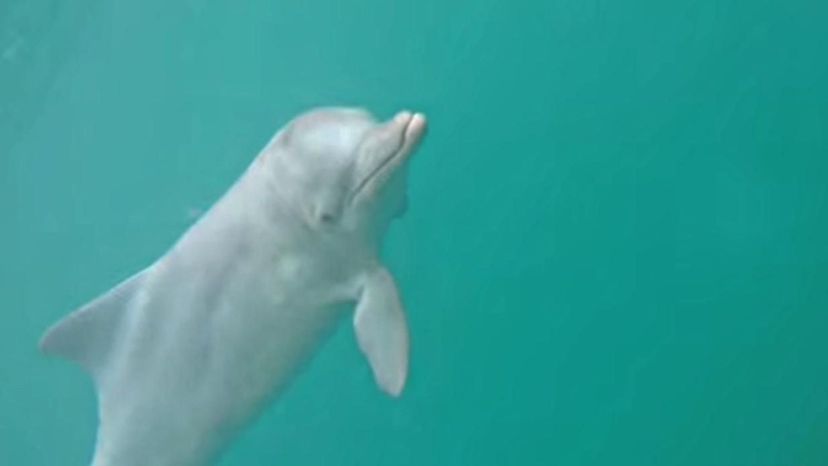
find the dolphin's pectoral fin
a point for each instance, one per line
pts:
(86, 335)
(382, 331)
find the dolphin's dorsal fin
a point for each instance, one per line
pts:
(382, 331)
(86, 335)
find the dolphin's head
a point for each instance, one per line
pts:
(343, 170)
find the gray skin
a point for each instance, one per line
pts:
(187, 352)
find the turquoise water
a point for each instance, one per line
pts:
(615, 252)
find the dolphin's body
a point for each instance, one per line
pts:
(185, 353)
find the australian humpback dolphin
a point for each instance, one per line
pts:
(186, 352)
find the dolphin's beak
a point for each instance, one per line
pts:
(415, 128)
(406, 130)
(412, 126)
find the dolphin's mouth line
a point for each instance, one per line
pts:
(385, 162)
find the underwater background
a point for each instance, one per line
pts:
(616, 251)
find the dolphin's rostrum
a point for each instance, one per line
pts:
(186, 352)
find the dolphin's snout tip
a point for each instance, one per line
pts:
(418, 120)
(415, 124)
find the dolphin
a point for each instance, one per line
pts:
(186, 353)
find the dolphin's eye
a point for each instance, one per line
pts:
(326, 218)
